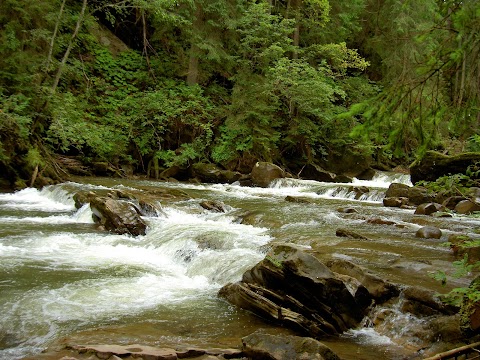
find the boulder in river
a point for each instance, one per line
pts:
(119, 216)
(209, 173)
(263, 173)
(423, 302)
(293, 288)
(416, 195)
(429, 208)
(315, 172)
(435, 165)
(380, 290)
(397, 190)
(466, 207)
(213, 205)
(395, 201)
(429, 232)
(276, 347)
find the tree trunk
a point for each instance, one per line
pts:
(54, 36)
(193, 63)
(69, 48)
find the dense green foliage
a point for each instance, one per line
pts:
(162, 82)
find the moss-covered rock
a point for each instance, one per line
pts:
(434, 165)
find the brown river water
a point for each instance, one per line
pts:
(62, 281)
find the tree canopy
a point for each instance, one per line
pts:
(158, 83)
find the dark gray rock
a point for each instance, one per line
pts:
(466, 207)
(263, 173)
(428, 208)
(434, 165)
(429, 232)
(349, 234)
(119, 216)
(294, 289)
(379, 289)
(209, 173)
(276, 347)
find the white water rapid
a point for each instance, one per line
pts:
(60, 275)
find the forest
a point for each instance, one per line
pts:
(151, 84)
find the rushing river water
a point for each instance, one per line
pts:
(62, 278)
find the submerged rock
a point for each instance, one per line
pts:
(423, 302)
(106, 351)
(349, 234)
(276, 347)
(213, 205)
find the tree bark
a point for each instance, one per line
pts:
(193, 63)
(54, 36)
(69, 48)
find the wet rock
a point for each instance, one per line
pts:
(263, 173)
(367, 174)
(395, 201)
(428, 208)
(148, 209)
(346, 161)
(139, 351)
(102, 351)
(379, 289)
(118, 216)
(452, 201)
(341, 178)
(429, 232)
(296, 199)
(213, 205)
(175, 172)
(276, 347)
(434, 165)
(446, 328)
(442, 214)
(418, 195)
(210, 241)
(350, 234)
(209, 173)
(293, 288)
(347, 210)
(317, 173)
(359, 191)
(248, 217)
(423, 302)
(380, 221)
(466, 207)
(83, 197)
(190, 353)
(397, 190)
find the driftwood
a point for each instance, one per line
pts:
(470, 351)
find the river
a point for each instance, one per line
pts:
(64, 281)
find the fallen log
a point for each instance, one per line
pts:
(470, 349)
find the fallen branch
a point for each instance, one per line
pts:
(454, 353)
